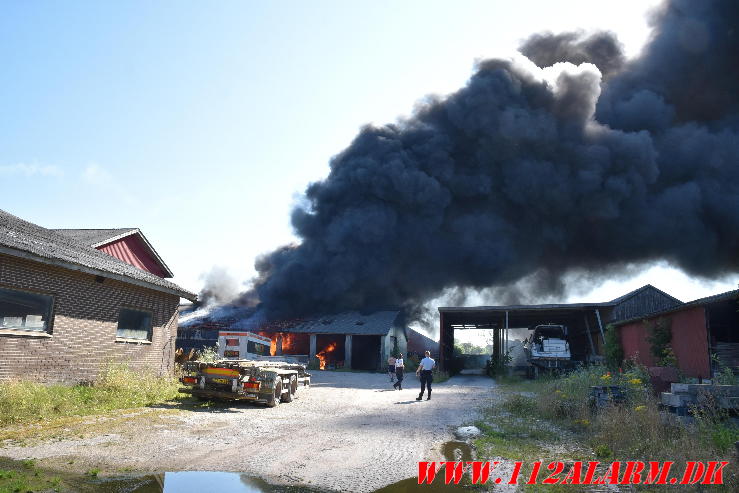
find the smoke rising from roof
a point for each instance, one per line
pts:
(533, 172)
(219, 288)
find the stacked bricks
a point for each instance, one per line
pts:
(83, 325)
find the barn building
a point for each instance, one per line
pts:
(700, 328)
(586, 322)
(72, 302)
(360, 341)
(419, 343)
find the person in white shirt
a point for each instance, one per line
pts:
(424, 371)
(399, 368)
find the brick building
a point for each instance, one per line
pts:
(68, 306)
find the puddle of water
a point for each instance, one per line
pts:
(457, 451)
(452, 451)
(194, 482)
(205, 481)
(26, 476)
(411, 486)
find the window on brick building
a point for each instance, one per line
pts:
(134, 324)
(24, 311)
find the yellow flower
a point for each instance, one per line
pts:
(584, 422)
(635, 381)
(606, 377)
(557, 391)
(640, 408)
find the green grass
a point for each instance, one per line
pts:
(118, 387)
(24, 476)
(536, 415)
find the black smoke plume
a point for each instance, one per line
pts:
(602, 49)
(531, 172)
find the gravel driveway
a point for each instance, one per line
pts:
(348, 432)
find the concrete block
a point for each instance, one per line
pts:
(676, 400)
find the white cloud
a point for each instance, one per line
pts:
(30, 170)
(95, 174)
(106, 182)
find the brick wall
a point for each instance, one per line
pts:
(83, 325)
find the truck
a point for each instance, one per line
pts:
(547, 349)
(245, 372)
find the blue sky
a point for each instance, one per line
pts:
(202, 122)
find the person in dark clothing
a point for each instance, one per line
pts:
(399, 368)
(424, 371)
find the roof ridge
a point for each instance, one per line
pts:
(45, 245)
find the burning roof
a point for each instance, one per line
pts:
(246, 318)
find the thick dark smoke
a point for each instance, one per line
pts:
(533, 173)
(602, 49)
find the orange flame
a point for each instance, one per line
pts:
(273, 341)
(323, 355)
(288, 343)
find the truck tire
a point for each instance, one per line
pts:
(292, 388)
(273, 399)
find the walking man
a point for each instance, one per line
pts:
(391, 368)
(399, 368)
(424, 371)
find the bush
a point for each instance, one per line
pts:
(659, 337)
(208, 354)
(614, 352)
(521, 405)
(411, 363)
(117, 387)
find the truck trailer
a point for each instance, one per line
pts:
(245, 372)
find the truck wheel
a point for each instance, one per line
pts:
(273, 399)
(292, 388)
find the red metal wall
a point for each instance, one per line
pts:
(132, 250)
(689, 342)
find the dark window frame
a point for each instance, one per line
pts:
(50, 312)
(251, 347)
(150, 332)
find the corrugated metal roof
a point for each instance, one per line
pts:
(558, 306)
(646, 287)
(354, 323)
(554, 306)
(716, 298)
(243, 318)
(24, 239)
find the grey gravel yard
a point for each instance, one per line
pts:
(348, 432)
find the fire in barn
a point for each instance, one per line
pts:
(352, 340)
(327, 357)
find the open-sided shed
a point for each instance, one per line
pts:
(586, 322)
